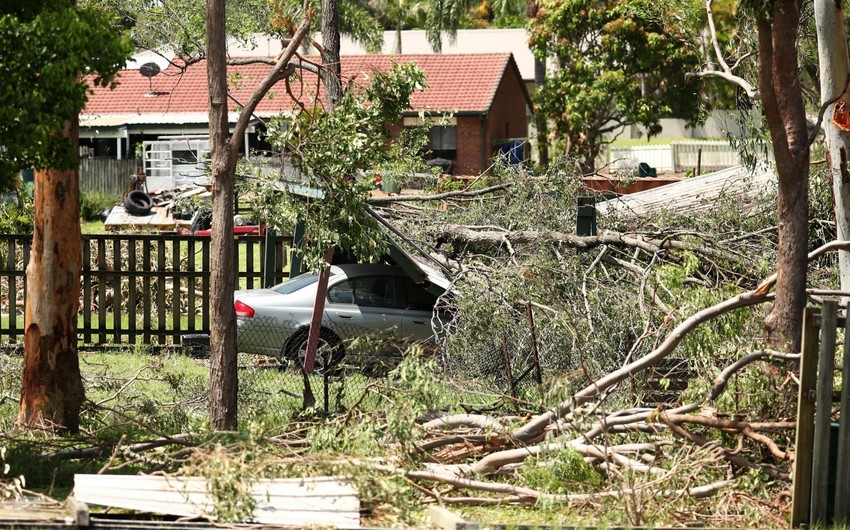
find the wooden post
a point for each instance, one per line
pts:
(508, 371)
(535, 356)
(802, 486)
(823, 407)
(269, 254)
(297, 242)
(842, 468)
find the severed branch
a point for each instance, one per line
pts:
(536, 428)
(496, 238)
(732, 457)
(740, 426)
(439, 196)
(726, 72)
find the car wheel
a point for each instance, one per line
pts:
(329, 352)
(138, 202)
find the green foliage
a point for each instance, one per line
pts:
(333, 151)
(94, 203)
(16, 215)
(46, 47)
(620, 61)
(561, 471)
(356, 19)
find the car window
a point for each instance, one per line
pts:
(375, 291)
(417, 298)
(299, 282)
(342, 293)
(367, 291)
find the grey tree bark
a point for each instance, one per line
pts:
(834, 63)
(224, 153)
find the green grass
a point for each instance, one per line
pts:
(92, 227)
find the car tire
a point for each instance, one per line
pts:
(329, 354)
(138, 202)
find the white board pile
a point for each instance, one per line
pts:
(318, 501)
(694, 194)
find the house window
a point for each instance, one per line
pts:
(444, 142)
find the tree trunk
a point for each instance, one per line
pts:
(834, 64)
(540, 120)
(333, 92)
(52, 389)
(331, 71)
(223, 372)
(785, 113)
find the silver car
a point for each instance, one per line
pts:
(362, 300)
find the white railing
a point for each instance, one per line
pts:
(676, 156)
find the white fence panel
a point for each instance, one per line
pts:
(675, 156)
(715, 155)
(626, 157)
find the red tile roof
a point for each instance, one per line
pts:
(463, 83)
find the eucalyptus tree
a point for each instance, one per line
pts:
(45, 48)
(834, 63)
(618, 63)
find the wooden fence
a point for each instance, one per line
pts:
(106, 175)
(139, 289)
(821, 488)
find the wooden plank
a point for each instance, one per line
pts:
(841, 515)
(148, 292)
(447, 520)
(160, 291)
(175, 286)
(802, 476)
(205, 283)
(823, 408)
(13, 291)
(87, 281)
(191, 282)
(101, 290)
(131, 293)
(38, 512)
(320, 501)
(117, 280)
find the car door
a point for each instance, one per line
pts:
(365, 304)
(418, 309)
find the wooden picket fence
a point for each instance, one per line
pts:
(105, 175)
(139, 289)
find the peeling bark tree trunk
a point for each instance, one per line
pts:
(785, 113)
(834, 65)
(224, 153)
(52, 390)
(223, 372)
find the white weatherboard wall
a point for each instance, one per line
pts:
(319, 501)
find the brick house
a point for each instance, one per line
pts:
(483, 95)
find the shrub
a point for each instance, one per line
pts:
(94, 203)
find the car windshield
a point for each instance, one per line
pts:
(299, 282)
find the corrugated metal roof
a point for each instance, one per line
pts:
(694, 194)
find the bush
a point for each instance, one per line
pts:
(16, 212)
(93, 204)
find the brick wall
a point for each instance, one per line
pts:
(507, 118)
